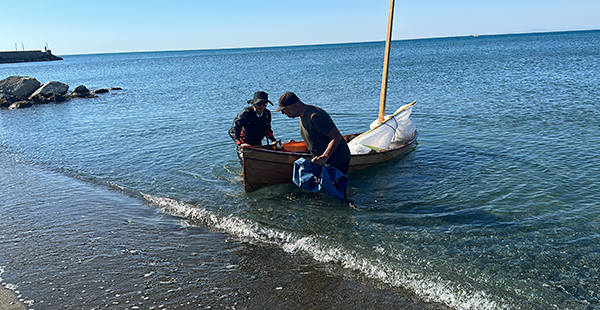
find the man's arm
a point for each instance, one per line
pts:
(236, 133)
(336, 138)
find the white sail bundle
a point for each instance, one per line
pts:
(397, 128)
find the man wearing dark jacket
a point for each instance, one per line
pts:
(253, 124)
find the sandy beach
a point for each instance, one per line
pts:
(8, 300)
(271, 278)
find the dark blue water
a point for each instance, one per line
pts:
(497, 207)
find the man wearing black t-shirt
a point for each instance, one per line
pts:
(318, 130)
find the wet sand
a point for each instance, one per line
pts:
(8, 300)
(269, 278)
(275, 279)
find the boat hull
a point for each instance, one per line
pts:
(264, 166)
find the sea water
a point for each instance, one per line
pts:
(496, 208)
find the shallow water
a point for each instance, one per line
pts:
(495, 208)
(74, 245)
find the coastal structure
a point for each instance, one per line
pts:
(27, 56)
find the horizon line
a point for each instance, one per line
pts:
(328, 43)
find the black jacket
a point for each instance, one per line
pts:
(249, 128)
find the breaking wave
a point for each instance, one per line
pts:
(428, 284)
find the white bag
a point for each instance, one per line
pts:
(381, 135)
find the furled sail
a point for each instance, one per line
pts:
(397, 128)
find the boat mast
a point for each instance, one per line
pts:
(386, 64)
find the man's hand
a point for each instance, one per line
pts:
(335, 137)
(320, 160)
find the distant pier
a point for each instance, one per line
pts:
(27, 56)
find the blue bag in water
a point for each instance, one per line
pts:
(306, 175)
(325, 179)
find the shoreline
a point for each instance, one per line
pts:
(9, 301)
(104, 247)
(280, 280)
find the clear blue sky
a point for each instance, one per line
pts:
(83, 27)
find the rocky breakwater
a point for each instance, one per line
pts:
(18, 92)
(27, 56)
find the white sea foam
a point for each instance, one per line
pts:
(428, 285)
(13, 287)
(8, 286)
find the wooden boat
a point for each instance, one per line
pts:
(265, 165)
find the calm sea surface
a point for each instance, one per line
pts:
(498, 207)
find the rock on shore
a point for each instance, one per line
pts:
(22, 91)
(20, 86)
